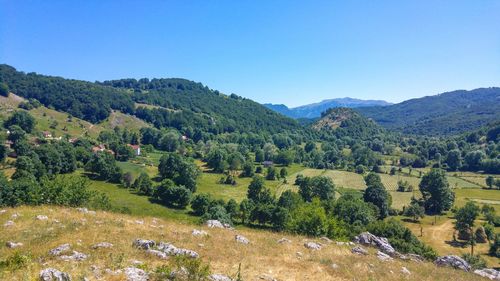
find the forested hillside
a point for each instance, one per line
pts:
(176, 103)
(448, 113)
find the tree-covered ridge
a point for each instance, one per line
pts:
(85, 100)
(347, 122)
(179, 103)
(448, 113)
(187, 103)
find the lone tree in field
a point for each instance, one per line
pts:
(465, 217)
(436, 192)
(376, 194)
(490, 181)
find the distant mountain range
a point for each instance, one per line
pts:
(315, 109)
(444, 114)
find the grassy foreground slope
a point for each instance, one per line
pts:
(263, 256)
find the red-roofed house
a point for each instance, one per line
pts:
(136, 148)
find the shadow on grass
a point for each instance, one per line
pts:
(457, 244)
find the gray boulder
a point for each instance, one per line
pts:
(366, 238)
(75, 256)
(453, 261)
(489, 273)
(8, 223)
(51, 274)
(144, 244)
(171, 250)
(217, 224)
(60, 249)
(42, 218)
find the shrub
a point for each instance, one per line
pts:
(401, 238)
(475, 261)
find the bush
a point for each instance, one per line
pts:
(200, 204)
(475, 261)
(217, 212)
(401, 238)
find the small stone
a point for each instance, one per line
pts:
(312, 245)
(267, 277)
(8, 223)
(171, 250)
(359, 250)
(299, 254)
(3, 211)
(102, 245)
(139, 222)
(51, 274)
(217, 224)
(284, 241)
(136, 274)
(42, 217)
(59, 250)
(82, 210)
(340, 243)
(241, 239)
(13, 245)
(199, 233)
(405, 271)
(219, 277)
(334, 266)
(15, 216)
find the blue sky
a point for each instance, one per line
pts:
(291, 52)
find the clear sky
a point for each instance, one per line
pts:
(291, 52)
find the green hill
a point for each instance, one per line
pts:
(448, 113)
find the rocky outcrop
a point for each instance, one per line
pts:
(366, 238)
(157, 253)
(312, 245)
(489, 273)
(51, 274)
(453, 261)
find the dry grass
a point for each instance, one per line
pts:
(263, 256)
